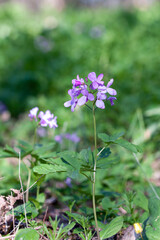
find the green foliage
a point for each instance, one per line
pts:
(113, 139)
(48, 168)
(153, 225)
(86, 233)
(30, 209)
(58, 232)
(112, 228)
(26, 234)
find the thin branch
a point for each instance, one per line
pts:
(13, 213)
(101, 151)
(25, 213)
(147, 179)
(88, 107)
(34, 183)
(7, 237)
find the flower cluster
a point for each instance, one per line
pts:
(94, 91)
(45, 119)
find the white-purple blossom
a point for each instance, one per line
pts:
(46, 119)
(82, 91)
(33, 113)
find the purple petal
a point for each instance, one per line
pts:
(100, 104)
(94, 85)
(103, 97)
(82, 100)
(110, 83)
(103, 89)
(111, 100)
(70, 92)
(67, 104)
(111, 91)
(92, 76)
(41, 114)
(100, 77)
(84, 92)
(90, 97)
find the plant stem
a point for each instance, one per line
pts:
(94, 173)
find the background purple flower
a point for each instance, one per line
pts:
(46, 119)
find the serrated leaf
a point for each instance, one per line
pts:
(71, 158)
(110, 138)
(40, 150)
(86, 157)
(27, 234)
(49, 168)
(112, 228)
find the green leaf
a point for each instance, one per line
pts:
(71, 158)
(153, 230)
(107, 138)
(140, 200)
(129, 146)
(49, 168)
(27, 234)
(112, 228)
(68, 227)
(86, 157)
(107, 203)
(123, 143)
(42, 151)
(8, 152)
(105, 163)
(29, 207)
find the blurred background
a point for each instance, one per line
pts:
(44, 44)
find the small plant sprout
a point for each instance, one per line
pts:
(93, 90)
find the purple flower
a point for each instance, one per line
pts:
(111, 100)
(47, 119)
(73, 102)
(33, 113)
(68, 182)
(72, 137)
(107, 89)
(58, 138)
(88, 92)
(77, 82)
(86, 96)
(41, 132)
(96, 81)
(99, 102)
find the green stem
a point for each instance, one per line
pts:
(35, 137)
(94, 173)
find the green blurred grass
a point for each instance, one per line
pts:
(41, 53)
